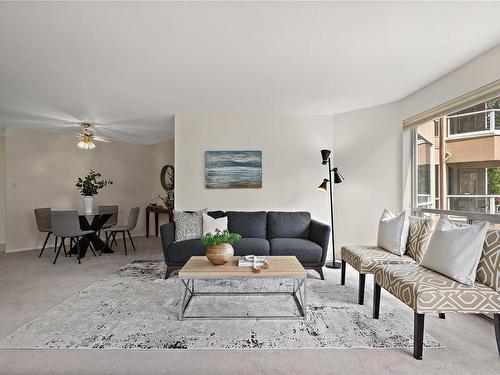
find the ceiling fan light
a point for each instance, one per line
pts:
(86, 146)
(86, 138)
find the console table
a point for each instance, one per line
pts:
(157, 211)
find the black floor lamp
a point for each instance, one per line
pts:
(337, 179)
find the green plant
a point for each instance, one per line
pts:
(168, 199)
(219, 238)
(89, 185)
(494, 181)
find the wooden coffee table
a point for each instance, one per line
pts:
(280, 267)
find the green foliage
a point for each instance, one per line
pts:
(168, 199)
(493, 104)
(219, 238)
(89, 185)
(494, 181)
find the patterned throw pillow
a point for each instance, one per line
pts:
(488, 272)
(420, 230)
(188, 226)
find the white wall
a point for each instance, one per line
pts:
(41, 172)
(291, 161)
(2, 192)
(374, 152)
(478, 72)
(367, 148)
(163, 154)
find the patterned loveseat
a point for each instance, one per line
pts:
(426, 291)
(365, 259)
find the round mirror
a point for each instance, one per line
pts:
(167, 177)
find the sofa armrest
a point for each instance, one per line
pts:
(320, 234)
(167, 233)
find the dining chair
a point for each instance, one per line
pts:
(65, 224)
(132, 222)
(112, 221)
(44, 224)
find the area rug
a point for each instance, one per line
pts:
(136, 308)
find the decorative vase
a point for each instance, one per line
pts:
(219, 254)
(88, 204)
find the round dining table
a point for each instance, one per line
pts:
(98, 219)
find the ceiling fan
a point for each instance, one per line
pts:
(87, 137)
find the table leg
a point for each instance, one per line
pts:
(147, 224)
(156, 224)
(97, 222)
(186, 296)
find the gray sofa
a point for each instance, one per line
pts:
(262, 233)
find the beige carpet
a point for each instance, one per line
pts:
(29, 286)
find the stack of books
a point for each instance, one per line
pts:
(252, 261)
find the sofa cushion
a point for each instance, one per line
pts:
(364, 259)
(247, 224)
(419, 232)
(216, 214)
(251, 246)
(188, 225)
(288, 224)
(306, 251)
(181, 251)
(488, 272)
(427, 291)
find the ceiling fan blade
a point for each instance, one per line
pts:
(99, 139)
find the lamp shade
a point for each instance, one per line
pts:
(337, 177)
(323, 186)
(325, 154)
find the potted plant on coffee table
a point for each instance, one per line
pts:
(219, 246)
(88, 187)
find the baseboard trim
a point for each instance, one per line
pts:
(20, 250)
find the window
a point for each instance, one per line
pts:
(424, 167)
(464, 176)
(469, 120)
(479, 119)
(437, 127)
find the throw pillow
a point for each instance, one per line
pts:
(211, 225)
(188, 226)
(454, 251)
(488, 270)
(419, 233)
(393, 232)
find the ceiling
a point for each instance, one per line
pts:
(131, 66)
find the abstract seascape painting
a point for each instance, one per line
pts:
(233, 169)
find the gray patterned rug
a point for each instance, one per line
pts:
(136, 308)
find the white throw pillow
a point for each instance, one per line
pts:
(210, 225)
(455, 251)
(393, 232)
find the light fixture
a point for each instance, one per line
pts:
(337, 179)
(86, 138)
(325, 155)
(323, 186)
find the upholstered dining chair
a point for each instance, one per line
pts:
(44, 224)
(112, 221)
(131, 224)
(65, 224)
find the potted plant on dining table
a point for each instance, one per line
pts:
(219, 246)
(89, 186)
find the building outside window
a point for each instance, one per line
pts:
(469, 161)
